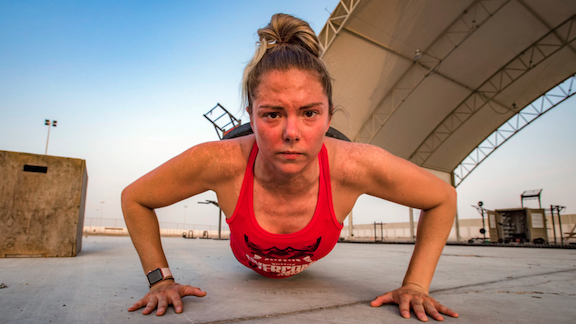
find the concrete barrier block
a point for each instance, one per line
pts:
(42, 203)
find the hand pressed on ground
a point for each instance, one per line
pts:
(163, 294)
(416, 298)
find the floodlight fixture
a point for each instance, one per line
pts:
(48, 122)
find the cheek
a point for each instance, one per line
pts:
(265, 134)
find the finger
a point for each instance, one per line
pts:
(431, 310)
(139, 304)
(177, 303)
(184, 290)
(387, 298)
(162, 305)
(445, 310)
(404, 306)
(152, 302)
(419, 310)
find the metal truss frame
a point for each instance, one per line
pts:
(335, 23)
(463, 27)
(222, 128)
(483, 96)
(523, 118)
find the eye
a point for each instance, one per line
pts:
(272, 115)
(310, 113)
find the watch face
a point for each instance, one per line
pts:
(155, 276)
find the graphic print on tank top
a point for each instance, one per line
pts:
(283, 262)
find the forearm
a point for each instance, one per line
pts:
(433, 229)
(142, 225)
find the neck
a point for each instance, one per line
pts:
(273, 180)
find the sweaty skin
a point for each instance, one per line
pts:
(290, 116)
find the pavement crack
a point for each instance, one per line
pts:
(251, 318)
(502, 280)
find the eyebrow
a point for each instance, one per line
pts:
(308, 106)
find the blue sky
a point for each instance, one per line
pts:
(128, 82)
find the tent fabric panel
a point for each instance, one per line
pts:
(422, 111)
(404, 25)
(444, 176)
(498, 41)
(360, 83)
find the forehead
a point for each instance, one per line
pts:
(293, 83)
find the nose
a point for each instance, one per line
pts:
(291, 129)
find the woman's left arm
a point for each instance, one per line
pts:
(389, 177)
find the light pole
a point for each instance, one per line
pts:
(49, 122)
(215, 203)
(101, 212)
(185, 209)
(481, 210)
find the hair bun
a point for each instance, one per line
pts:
(284, 29)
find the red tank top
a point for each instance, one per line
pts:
(283, 255)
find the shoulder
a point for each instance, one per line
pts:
(219, 159)
(349, 160)
(221, 152)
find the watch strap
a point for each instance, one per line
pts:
(166, 272)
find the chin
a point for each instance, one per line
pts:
(290, 168)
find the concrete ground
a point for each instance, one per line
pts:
(483, 284)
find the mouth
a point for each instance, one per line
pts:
(290, 155)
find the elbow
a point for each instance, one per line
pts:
(126, 200)
(451, 200)
(452, 195)
(125, 195)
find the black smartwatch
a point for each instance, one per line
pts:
(158, 275)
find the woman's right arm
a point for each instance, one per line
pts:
(186, 175)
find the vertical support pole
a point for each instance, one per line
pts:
(382, 231)
(411, 212)
(220, 224)
(554, 224)
(456, 220)
(47, 139)
(350, 227)
(539, 202)
(483, 224)
(375, 235)
(560, 224)
(185, 210)
(101, 215)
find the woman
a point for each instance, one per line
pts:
(304, 182)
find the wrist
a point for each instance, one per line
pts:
(414, 285)
(158, 275)
(166, 282)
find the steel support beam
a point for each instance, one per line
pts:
(525, 117)
(335, 23)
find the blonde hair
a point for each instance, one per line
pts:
(285, 43)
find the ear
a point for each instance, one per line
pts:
(329, 121)
(250, 116)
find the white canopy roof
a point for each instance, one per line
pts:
(430, 80)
